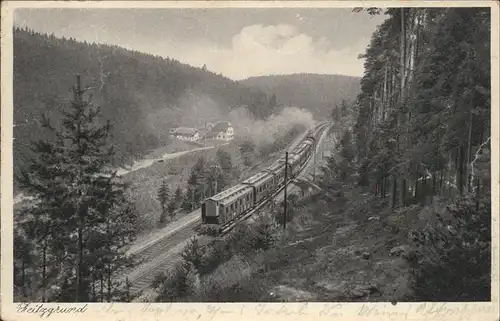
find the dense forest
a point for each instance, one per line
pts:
(422, 137)
(317, 93)
(424, 111)
(143, 95)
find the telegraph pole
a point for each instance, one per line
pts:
(314, 166)
(192, 199)
(286, 180)
(78, 97)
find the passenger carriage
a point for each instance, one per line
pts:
(262, 184)
(278, 172)
(227, 205)
(234, 202)
(293, 160)
(306, 151)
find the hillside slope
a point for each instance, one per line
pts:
(143, 95)
(317, 93)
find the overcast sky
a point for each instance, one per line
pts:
(238, 43)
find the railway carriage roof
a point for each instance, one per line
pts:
(275, 167)
(301, 148)
(235, 190)
(304, 144)
(257, 178)
(231, 197)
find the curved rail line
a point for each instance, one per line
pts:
(160, 255)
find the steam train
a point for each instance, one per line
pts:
(226, 207)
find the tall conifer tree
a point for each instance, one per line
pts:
(82, 218)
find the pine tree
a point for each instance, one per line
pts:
(189, 203)
(336, 115)
(226, 164)
(215, 178)
(193, 253)
(23, 259)
(197, 184)
(78, 197)
(163, 196)
(273, 102)
(171, 209)
(178, 196)
(247, 148)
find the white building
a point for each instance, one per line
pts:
(222, 130)
(185, 133)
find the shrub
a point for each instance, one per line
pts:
(291, 209)
(453, 256)
(218, 252)
(179, 283)
(193, 253)
(209, 230)
(217, 284)
(266, 233)
(158, 280)
(241, 240)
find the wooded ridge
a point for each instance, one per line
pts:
(314, 92)
(143, 95)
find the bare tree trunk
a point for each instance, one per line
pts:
(403, 192)
(434, 187)
(23, 276)
(394, 191)
(401, 118)
(461, 177)
(79, 276)
(94, 299)
(441, 177)
(102, 288)
(477, 193)
(384, 98)
(127, 284)
(469, 182)
(384, 187)
(416, 192)
(44, 272)
(109, 283)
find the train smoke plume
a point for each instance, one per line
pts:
(196, 110)
(263, 132)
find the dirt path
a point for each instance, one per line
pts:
(146, 162)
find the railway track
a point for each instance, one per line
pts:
(168, 254)
(162, 254)
(278, 192)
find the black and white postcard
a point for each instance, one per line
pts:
(209, 160)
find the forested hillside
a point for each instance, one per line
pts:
(142, 95)
(404, 207)
(424, 120)
(422, 143)
(317, 93)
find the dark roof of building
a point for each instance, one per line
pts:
(211, 134)
(221, 126)
(186, 131)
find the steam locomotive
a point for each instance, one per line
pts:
(226, 207)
